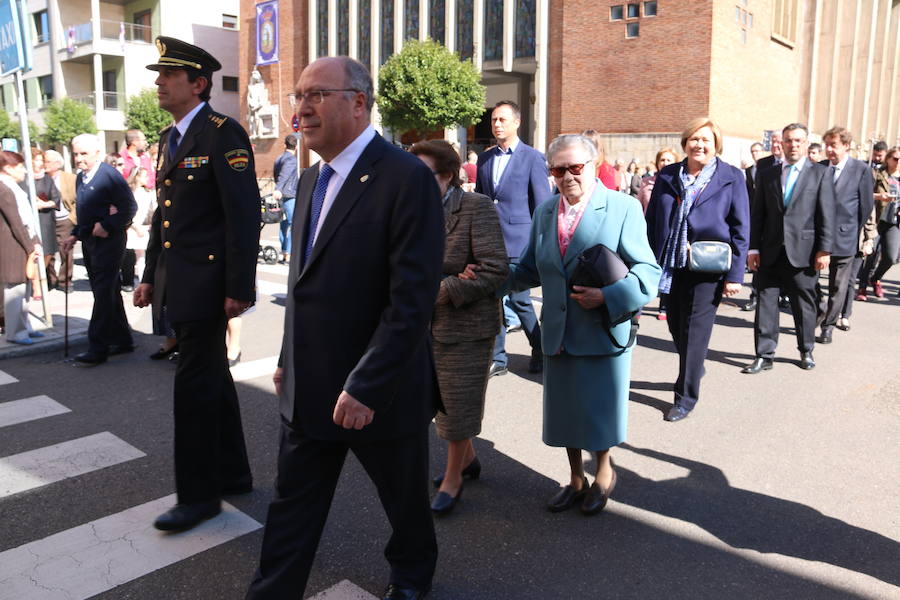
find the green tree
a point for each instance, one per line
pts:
(426, 87)
(142, 112)
(9, 128)
(65, 118)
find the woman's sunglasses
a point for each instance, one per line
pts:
(561, 171)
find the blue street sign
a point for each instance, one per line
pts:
(15, 51)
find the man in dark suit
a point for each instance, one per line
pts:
(201, 269)
(514, 175)
(105, 206)
(854, 200)
(791, 239)
(356, 370)
(755, 151)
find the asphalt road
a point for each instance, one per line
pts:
(779, 485)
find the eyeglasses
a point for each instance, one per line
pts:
(316, 96)
(561, 171)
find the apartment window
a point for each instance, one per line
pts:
(41, 28)
(650, 9)
(744, 20)
(143, 29)
(632, 30)
(229, 21)
(634, 11)
(785, 15)
(45, 85)
(616, 13)
(229, 84)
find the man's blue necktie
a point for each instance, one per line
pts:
(793, 175)
(174, 138)
(318, 198)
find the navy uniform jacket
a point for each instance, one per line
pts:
(522, 187)
(205, 233)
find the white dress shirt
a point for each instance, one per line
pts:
(839, 168)
(342, 164)
(186, 120)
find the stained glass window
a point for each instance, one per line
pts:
(343, 27)
(464, 31)
(387, 30)
(493, 29)
(365, 31)
(323, 27)
(411, 20)
(525, 28)
(437, 13)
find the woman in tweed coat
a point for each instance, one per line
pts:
(466, 317)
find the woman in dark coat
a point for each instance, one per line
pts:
(700, 198)
(466, 317)
(48, 199)
(16, 244)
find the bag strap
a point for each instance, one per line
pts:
(632, 335)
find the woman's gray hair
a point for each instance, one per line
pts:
(569, 140)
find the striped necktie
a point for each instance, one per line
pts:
(315, 210)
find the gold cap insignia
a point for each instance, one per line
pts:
(161, 47)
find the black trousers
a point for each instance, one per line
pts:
(109, 325)
(520, 303)
(210, 453)
(308, 472)
(128, 263)
(692, 304)
(800, 286)
(840, 271)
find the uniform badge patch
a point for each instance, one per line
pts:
(238, 159)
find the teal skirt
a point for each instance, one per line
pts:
(586, 400)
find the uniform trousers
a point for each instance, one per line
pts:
(109, 325)
(692, 304)
(210, 454)
(799, 283)
(308, 472)
(840, 271)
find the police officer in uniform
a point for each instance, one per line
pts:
(201, 265)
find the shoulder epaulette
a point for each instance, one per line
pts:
(219, 120)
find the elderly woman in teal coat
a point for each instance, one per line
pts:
(586, 375)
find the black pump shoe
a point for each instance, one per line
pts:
(472, 471)
(443, 502)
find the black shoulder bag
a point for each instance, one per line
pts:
(599, 266)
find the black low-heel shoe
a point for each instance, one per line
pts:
(472, 471)
(443, 502)
(566, 498)
(163, 353)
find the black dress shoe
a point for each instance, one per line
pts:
(750, 306)
(128, 288)
(566, 498)
(676, 413)
(497, 369)
(784, 302)
(758, 364)
(186, 516)
(163, 353)
(806, 361)
(536, 364)
(89, 359)
(117, 349)
(175, 357)
(395, 592)
(596, 498)
(472, 471)
(825, 338)
(843, 324)
(443, 502)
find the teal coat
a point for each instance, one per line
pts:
(614, 220)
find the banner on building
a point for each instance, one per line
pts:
(267, 32)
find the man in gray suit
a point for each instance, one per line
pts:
(791, 239)
(854, 200)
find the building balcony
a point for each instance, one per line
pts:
(114, 37)
(109, 111)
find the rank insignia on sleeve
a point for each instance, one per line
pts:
(193, 162)
(238, 159)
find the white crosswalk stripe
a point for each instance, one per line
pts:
(253, 369)
(271, 288)
(95, 557)
(36, 468)
(6, 378)
(29, 409)
(344, 590)
(273, 269)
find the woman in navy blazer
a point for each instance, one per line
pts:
(701, 198)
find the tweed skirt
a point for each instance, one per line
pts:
(462, 373)
(586, 400)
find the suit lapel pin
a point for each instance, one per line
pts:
(364, 179)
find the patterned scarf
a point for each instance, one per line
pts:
(677, 244)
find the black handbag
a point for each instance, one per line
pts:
(271, 209)
(599, 266)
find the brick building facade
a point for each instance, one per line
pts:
(636, 71)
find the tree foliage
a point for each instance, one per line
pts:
(9, 128)
(142, 112)
(65, 118)
(426, 87)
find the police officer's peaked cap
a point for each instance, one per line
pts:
(175, 54)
